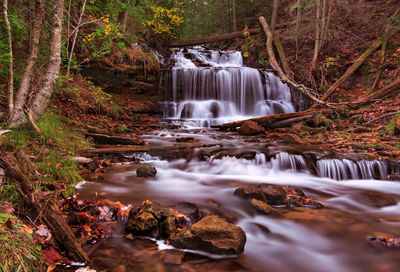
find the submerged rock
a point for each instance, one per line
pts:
(146, 171)
(212, 234)
(269, 193)
(379, 200)
(251, 128)
(261, 206)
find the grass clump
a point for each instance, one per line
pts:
(17, 250)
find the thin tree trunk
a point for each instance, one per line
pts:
(382, 60)
(42, 98)
(282, 56)
(274, 16)
(275, 65)
(317, 40)
(125, 17)
(298, 18)
(75, 36)
(235, 27)
(18, 116)
(11, 62)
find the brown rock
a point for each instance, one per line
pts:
(173, 257)
(269, 193)
(146, 171)
(143, 224)
(261, 206)
(379, 200)
(251, 128)
(212, 234)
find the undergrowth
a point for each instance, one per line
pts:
(17, 250)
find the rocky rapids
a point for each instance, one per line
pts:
(205, 200)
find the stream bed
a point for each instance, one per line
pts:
(207, 171)
(200, 165)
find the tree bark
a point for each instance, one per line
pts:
(11, 61)
(125, 18)
(75, 36)
(298, 18)
(274, 16)
(235, 27)
(18, 116)
(317, 40)
(282, 56)
(42, 98)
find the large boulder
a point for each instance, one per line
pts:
(212, 234)
(269, 193)
(146, 171)
(251, 128)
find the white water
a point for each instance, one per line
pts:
(222, 92)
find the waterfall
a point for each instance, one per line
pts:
(347, 169)
(222, 89)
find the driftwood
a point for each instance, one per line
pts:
(110, 139)
(114, 150)
(48, 210)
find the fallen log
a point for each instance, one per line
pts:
(221, 37)
(48, 210)
(114, 150)
(271, 121)
(112, 139)
(353, 68)
(391, 89)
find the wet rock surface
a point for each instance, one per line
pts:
(151, 219)
(378, 200)
(269, 193)
(146, 171)
(261, 206)
(212, 234)
(251, 128)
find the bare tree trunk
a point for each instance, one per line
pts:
(125, 17)
(317, 40)
(42, 98)
(235, 28)
(274, 16)
(298, 18)
(18, 116)
(11, 61)
(75, 36)
(275, 65)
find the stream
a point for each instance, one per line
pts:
(198, 164)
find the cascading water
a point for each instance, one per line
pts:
(347, 169)
(222, 89)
